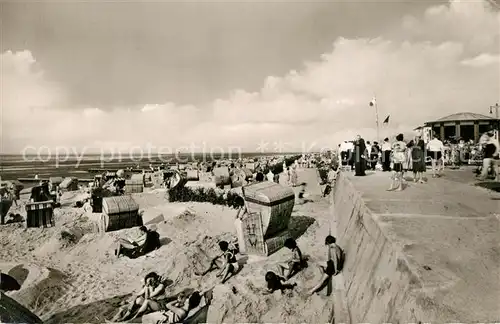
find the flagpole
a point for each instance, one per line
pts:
(376, 114)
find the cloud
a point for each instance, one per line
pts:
(430, 67)
(482, 60)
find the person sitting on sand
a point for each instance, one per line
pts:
(295, 264)
(145, 298)
(333, 265)
(229, 265)
(275, 282)
(147, 242)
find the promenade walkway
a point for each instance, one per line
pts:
(446, 232)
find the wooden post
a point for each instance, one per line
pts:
(476, 132)
(457, 130)
(441, 132)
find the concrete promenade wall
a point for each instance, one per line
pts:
(392, 277)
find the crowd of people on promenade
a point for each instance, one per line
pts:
(400, 157)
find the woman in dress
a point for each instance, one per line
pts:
(418, 161)
(408, 166)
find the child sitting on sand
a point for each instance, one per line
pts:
(229, 265)
(333, 265)
(275, 282)
(295, 264)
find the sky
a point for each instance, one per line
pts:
(267, 76)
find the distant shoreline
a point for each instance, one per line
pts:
(13, 166)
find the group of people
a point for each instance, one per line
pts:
(277, 280)
(290, 173)
(401, 157)
(153, 298)
(175, 309)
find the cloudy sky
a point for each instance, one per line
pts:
(239, 73)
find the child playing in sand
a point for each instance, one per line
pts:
(229, 265)
(295, 264)
(275, 282)
(333, 265)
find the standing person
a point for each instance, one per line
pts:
(368, 155)
(276, 178)
(418, 159)
(288, 176)
(408, 166)
(350, 154)
(435, 149)
(344, 154)
(359, 156)
(259, 177)
(399, 158)
(295, 177)
(461, 152)
(270, 176)
(374, 155)
(490, 151)
(386, 155)
(334, 264)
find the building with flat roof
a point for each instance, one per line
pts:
(465, 125)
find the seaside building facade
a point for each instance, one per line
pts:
(465, 125)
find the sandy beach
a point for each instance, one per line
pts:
(73, 275)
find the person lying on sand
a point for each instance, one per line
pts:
(295, 264)
(333, 265)
(275, 282)
(147, 242)
(229, 265)
(152, 289)
(178, 310)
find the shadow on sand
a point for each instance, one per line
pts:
(17, 218)
(298, 225)
(490, 185)
(165, 241)
(19, 273)
(96, 312)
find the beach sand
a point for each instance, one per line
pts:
(70, 274)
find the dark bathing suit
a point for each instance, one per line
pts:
(435, 155)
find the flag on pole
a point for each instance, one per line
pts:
(386, 121)
(373, 102)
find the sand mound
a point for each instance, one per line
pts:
(91, 282)
(25, 274)
(244, 302)
(40, 296)
(13, 312)
(66, 237)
